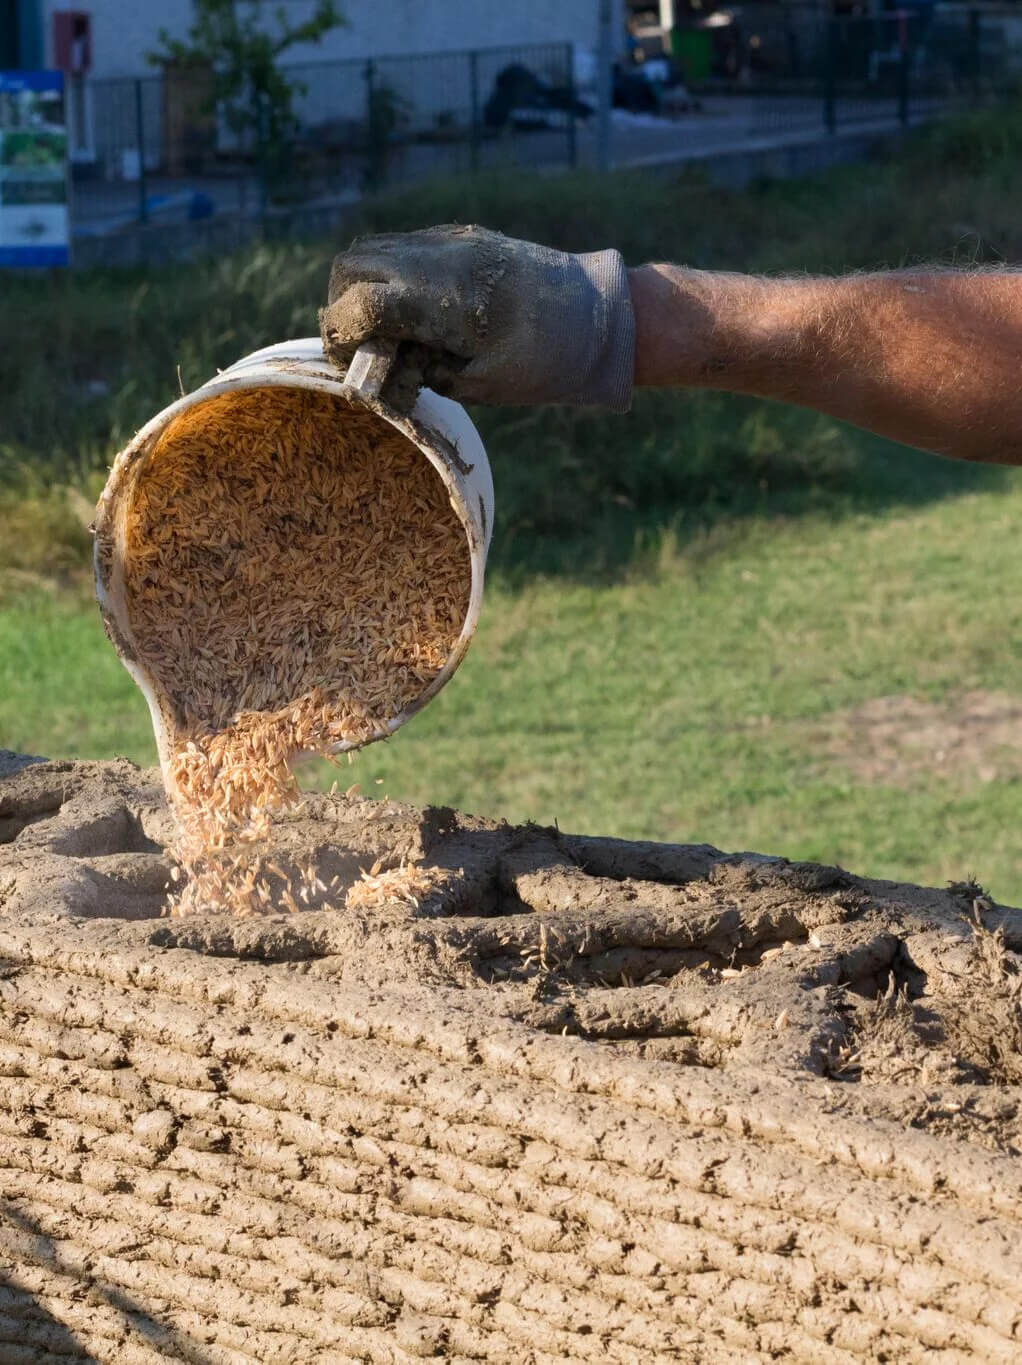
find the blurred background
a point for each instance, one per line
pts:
(711, 619)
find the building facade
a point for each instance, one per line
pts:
(419, 48)
(120, 33)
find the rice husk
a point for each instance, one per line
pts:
(295, 577)
(405, 884)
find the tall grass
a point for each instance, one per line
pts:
(45, 539)
(86, 357)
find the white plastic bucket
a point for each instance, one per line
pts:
(439, 427)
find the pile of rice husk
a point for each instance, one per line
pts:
(295, 576)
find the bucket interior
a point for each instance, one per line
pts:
(276, 544)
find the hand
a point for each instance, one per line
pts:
(489, 319)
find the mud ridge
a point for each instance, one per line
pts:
(590, 1100)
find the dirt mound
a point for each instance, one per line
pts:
(589, 1100)
(899, 739)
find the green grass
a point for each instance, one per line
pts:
(684, 702)
(680, 601)
(87, 357)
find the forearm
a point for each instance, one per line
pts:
(931, 358)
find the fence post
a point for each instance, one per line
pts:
(604, 84)
(261, 157)
(973, 58)
(569, 55)
(375, 153)
(904, 62)
(830, 77)
(143, 208)
(473, 82)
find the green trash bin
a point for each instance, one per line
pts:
(692, 49)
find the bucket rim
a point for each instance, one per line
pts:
(301, 363)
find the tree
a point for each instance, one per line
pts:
(242, 52)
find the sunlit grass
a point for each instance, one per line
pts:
(681, 601)
(690, 701)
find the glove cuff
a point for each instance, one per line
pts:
(610, 380)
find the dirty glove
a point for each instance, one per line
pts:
(489, 319)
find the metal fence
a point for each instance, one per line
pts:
(793, 68)
(162, 149)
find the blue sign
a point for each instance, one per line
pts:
(32, 80)
(34, 218)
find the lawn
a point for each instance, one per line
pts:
(714, 692)
(712, 619)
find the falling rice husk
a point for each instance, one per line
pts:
(295, 577)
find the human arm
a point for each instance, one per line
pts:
(931, 358)
(928, 357)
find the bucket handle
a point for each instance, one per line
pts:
(370, 368)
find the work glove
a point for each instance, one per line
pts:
(485, 318)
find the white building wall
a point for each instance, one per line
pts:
(438, 88)
(400, 27)
(433, 91)
(123, 31)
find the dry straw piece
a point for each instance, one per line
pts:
(295, 576)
